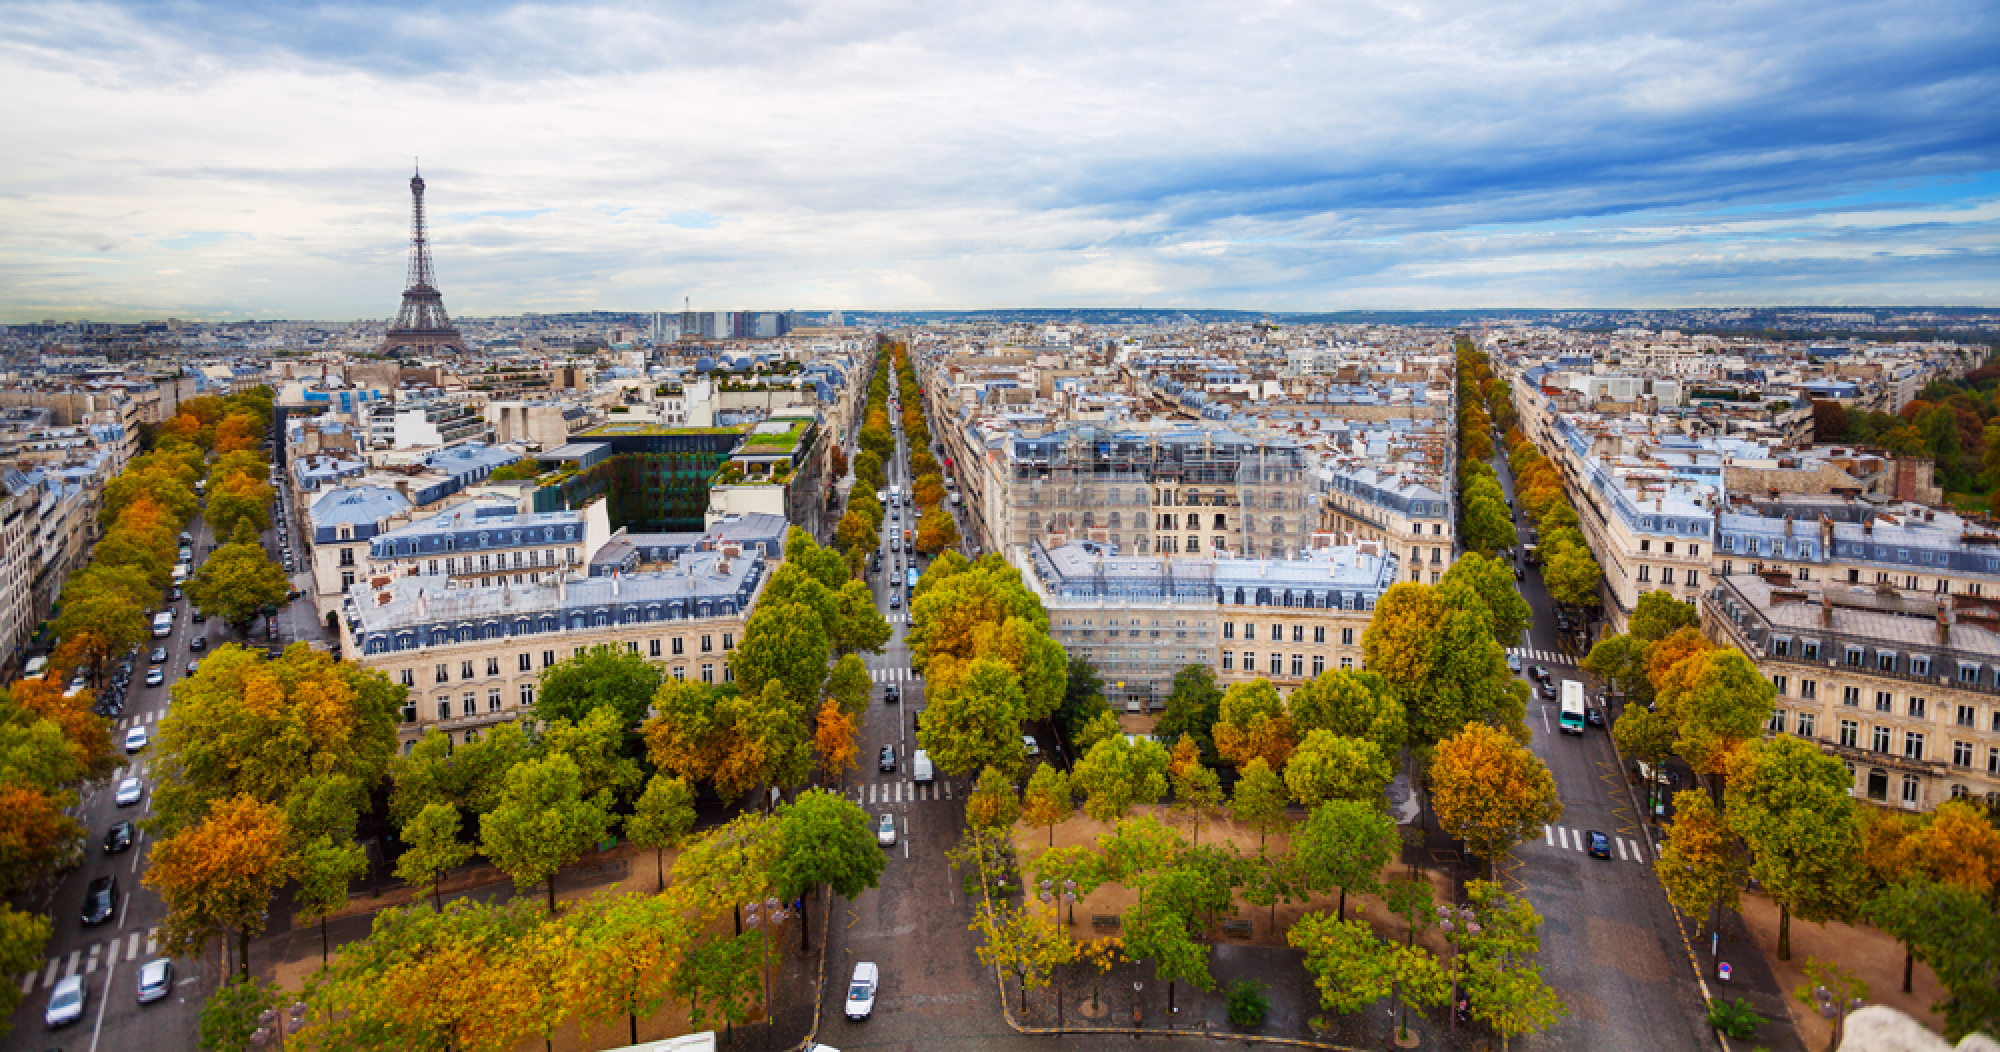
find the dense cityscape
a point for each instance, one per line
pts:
(603, 527)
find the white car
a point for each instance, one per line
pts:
(156, 980)
(136, 739)
(1028, 744)
(155, 676)
(861, 991)
(66, 1003)
(885, 830)
(129, 792)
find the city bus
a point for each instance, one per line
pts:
(912, 572)
(1571, 717)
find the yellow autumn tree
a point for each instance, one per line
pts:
(1490, 791)
(833, 737)
(218, 875)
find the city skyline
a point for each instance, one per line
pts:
(217, 160)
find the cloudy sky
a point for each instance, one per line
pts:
(252, 158)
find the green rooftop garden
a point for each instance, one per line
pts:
(616, 428)
(765, 438)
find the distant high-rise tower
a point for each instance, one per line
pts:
(422, 326)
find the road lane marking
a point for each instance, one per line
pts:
(153, 942)
(98, 1030)
(132, 947)
(90, 959)
(1549, 835)
(69, 966)
(49, 977)
(1622, 857)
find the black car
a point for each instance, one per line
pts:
(100, 901)
(1541, 674)
(198, 643)
(118, 838)
(1594, 717)
(1520, 574)
(1599, 844)
(200, 618)
(888, 758)
(891, 695)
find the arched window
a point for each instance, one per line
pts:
(548, 623)
(405, 641)
(522, 626)
(576, 622)
(440, 637)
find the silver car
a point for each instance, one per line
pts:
(156, 980)
(66, 1003)
(129, 792)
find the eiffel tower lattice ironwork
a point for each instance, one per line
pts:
(422, 325)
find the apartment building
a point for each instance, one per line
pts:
(481, 543)
(1403, 514)
(1904, 689)
(1139, 619)
(473, 657)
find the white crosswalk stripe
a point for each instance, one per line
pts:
(892, 675)
(1569, 839)
(1547, 657)
(89, 958)
(882, 794)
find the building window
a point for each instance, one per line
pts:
(465, 670)
(1319, 633)
(527, 695)
(1277, 664)
(707, 673)
(1666, 575)
(652, 648)
(1920, 665)
(1910, 790)
(1299, 634)
(1229, 630)
(1645, 574)
(443, 673)
(444, 706)
(346, 578)
(493, 700)
(1913, 745)
(707, 644)
(1298, 664)
(548, 658)
(1850, 734)
(471, 703)
(1249, 631)
(1808, 689)
(493, 666)
(1811, 649)
(1319, 664)
(1961, 754)
(1806, 724)
(1884, 701)
(632, 646)
(1879, 739)
(1777, 723)
(680, 646)
(1965, 716)
(1993, 759)
(347, 557)
(1779, 682)
(1850, 696)
(680, 672)
(728, 641)
(1228, 660)
(526, 661)
(1919, 707)
(1885, 662)
(409, 677)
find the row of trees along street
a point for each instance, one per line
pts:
(54, 739)
(1437, 694)
(1781, 811)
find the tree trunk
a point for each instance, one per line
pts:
(552, 894)
(1784, 932)
(323, 946)
(243, 950)
(660, 861)
(1342, 915)
(1022, 981)
(633, 1018)
(1909, 959)
(805, 935)
(437, 893)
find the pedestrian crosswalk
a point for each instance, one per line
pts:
(88, 959)
(140, 719)
(1547, 657)
(892, 675)
(901, 791)
(1625, 848)
(897, 617)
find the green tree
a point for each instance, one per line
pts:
(1192, 709)
(431, 849)
(785, 642)
(1349, 965)
(1350, 703)
(1059, 867)
(1645, 736)
(1083, 697)
(1022, 940)
(856, 532)
(1260, 799)
(24, 937)
(1197, 790)
(1118, 772)
(1499, 968)
(1620, 661)
(229, 1017)
(974, 720)
(1486, 526)
(601, 676)
(1253, 723)
(325, 870)
(849, 684)
(598, 745)
(1493, 582)
(1727, 702)
(1435, 648)
(718, 979)
(662, 818)
(1344, 844)
(1659, 615)
(1957, 934)
(627, 949)
(823, 838)
(858, 626)
(1156, 930)
(1571, 577)
(1790, 804)
(544, 822)
(1327, 766)
(237, 583)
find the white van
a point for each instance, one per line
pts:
(180, 572)
(920, 767)
(163, 624)
(36, 666)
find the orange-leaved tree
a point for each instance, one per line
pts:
(1490, 791)
(218, 875)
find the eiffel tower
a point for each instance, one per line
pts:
(422, 326)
